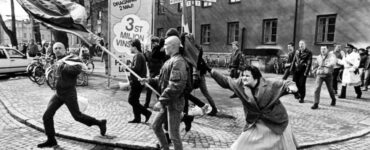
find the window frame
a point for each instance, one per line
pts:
(160, 8)
(234, 1)
(270, 42)
(228, 41)
(206, 6)
(326, 32)
(203, 40)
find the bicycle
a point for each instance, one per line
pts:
(89, 63)
(82, 79)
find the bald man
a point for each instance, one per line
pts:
(67, 70)
(172, 80)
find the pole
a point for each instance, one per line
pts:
(128, 68)
(295, 24)
(193, 18)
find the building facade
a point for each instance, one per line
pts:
(271, 23)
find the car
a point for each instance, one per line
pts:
(13, 61)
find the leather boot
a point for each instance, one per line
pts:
(333, 102)
(358, 91)
(343, 92)
(315, 106)
(50, 142)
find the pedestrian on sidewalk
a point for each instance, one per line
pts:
(155, 59)
(138, 65)
(301, 66)
(337, 67)
(361, 68)
(324, 73)
(289, 61)
(172, 80)
(351, 73)
(367, 70)
(267, 123)
(236, 62)
(67, 71)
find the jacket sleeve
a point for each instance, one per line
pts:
(73, 70)
(222, 80)
(309, 63)
(176, 84)
(136, 64)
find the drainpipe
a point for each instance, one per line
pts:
(295, 23)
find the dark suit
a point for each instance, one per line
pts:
(301, 67)
(236, 63)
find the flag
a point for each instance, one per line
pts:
(191, 53)
(61, 15)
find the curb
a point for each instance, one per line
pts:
(68, 135)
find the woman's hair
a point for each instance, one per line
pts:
(256, 74)
(136, 43)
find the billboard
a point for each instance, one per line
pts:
(128, 20)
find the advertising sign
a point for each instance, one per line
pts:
(129, 19)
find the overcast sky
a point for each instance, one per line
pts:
(5, 10)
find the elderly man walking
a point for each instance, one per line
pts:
(324, 73)
(173, 79)
(236, 63)
(301, 66)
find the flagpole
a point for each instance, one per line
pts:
(128, 68)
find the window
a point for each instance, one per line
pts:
(234, 1)
(232, 32)
(325, 29)
(205, 33)
(161, 7)
(2, 54)
(179, 7)
(269, 31)
(160, 32)
(206, 4)
(14, 54)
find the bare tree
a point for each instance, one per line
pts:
(11, 33)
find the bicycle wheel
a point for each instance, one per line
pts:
(50, 78)
(30, 73)
(90, 67)
(80, 79)
(39, 75)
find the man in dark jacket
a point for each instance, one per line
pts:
(68, 68)
(289, 61)
(139, 67)
(236, 62)
(155, 60)
(301, 67)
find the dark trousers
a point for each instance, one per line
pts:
(149, 94)
(133, 100)
(328, 81)
(70, 99)
(300, 79)
(193, 99)
(335, 78)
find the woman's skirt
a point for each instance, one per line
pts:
(260, 137)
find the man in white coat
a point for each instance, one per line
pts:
(351, 74)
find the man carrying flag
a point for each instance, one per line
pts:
(67, 71)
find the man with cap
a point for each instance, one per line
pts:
(351, 74)
(236, 62)
(172, 80)
(301, 66)
(67, 70)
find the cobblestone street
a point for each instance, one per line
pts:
(348, 118)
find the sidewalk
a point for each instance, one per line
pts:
(27, 102)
